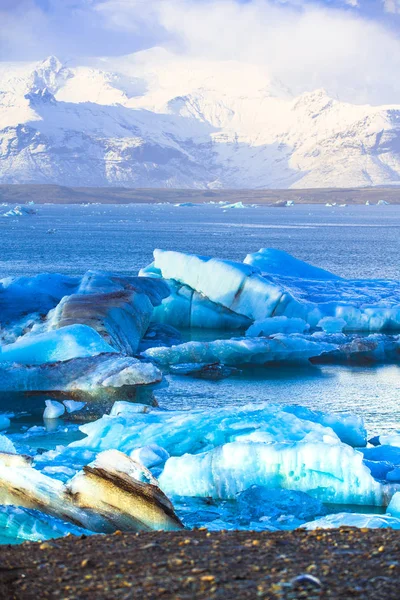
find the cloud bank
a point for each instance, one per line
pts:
(349, 47)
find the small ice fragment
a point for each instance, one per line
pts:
(150, 456)
(332, 324)
(53, 409)
(73, 406)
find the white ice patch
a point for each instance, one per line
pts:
(73, 406)
(53, 409)
(179, 432)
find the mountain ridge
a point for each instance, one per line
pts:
(164, 122)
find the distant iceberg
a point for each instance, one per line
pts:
(20, 211)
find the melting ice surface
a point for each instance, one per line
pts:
(260, 359)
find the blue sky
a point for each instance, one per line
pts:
(351, 47)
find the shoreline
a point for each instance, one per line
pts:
(198, 564)
(58, 194)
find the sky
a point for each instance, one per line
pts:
(351, 47)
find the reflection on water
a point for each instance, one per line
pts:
(373, 392)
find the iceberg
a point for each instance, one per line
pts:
(271, 283)
(279, 348)
(330, 472)
(20, 211)
(128, 427)
(104, 376)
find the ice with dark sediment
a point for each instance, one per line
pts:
(113, 492)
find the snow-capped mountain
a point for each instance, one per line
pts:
(156, 120)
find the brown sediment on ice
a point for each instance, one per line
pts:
(338, 563)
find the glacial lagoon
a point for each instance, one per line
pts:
(322, 355)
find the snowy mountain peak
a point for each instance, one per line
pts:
(49, 75)
(158, 120)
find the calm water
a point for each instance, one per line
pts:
(362, 241)
(355, 242)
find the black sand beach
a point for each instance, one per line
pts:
(339, 563)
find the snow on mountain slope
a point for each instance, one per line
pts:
(153, 119)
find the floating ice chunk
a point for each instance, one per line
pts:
(126, 409)
(333, 473)
(150, 456)
(120, 489)
(185, 204)
(53, 409)
(354, 520)
(383, 203)
(73, 406)
(332, 324)
(277, 325)
(20, 211)
(106, 376)
(387, 453)
(394, 507)
(234, 205)
(278, 262)
(113, 492)
(241, 351)
(285, 287)
(53, 346)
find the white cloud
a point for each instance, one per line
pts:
(392, 6)
(306, 43)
